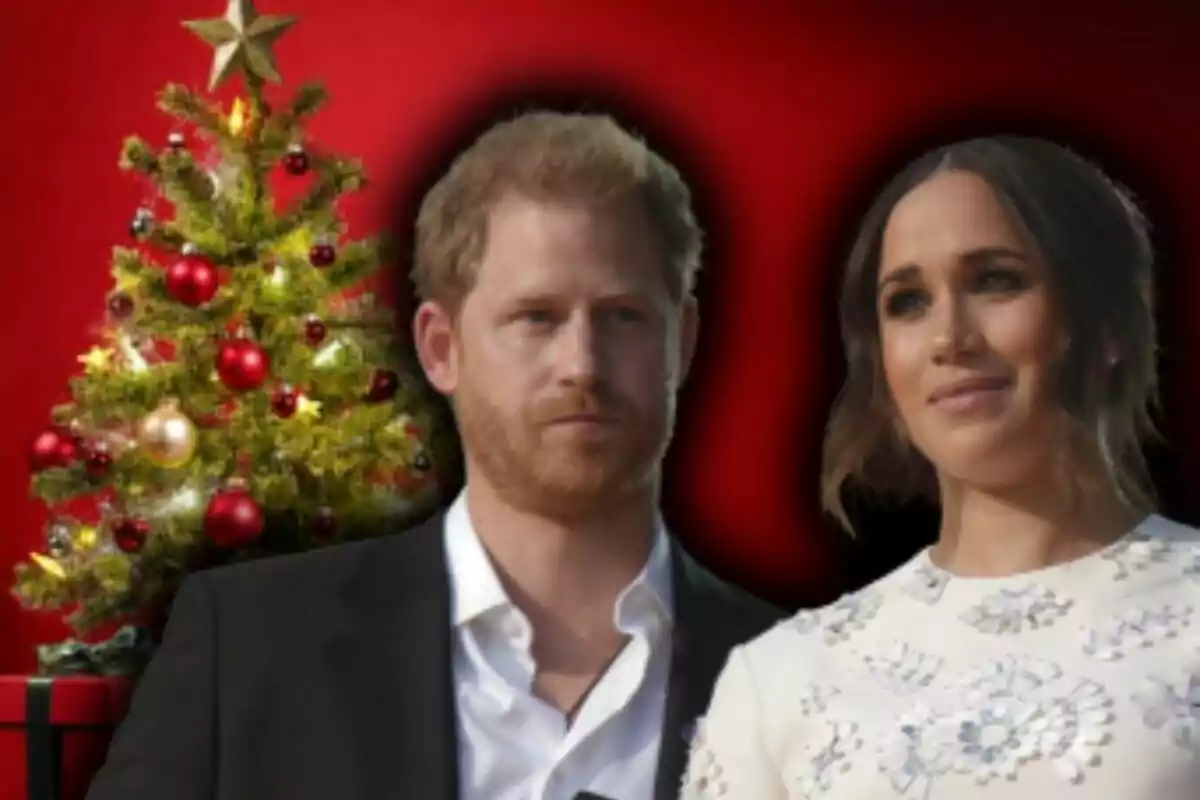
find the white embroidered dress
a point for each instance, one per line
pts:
(1075, 682)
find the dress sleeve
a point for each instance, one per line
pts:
(729, 758)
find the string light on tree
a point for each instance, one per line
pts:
(183, 502)
(307, 410)
(77, 429)
(238, 117)
(58, 539)
(135, 360)
(328, 354)
(143, 221)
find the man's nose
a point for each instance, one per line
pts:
(579, 356)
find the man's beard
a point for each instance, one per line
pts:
(560, 473)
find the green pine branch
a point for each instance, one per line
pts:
(354, 458)
(185, 105)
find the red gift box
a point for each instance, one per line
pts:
(54, 733)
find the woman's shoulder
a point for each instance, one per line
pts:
(1163, 550)
(812, 638)
(1178, 536)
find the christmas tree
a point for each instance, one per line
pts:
(245, 396)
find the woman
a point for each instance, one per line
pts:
(998, 324)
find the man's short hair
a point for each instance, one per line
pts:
(549, 155)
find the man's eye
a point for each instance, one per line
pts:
(627, 314)
(536, 317)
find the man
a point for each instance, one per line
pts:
(545, 636)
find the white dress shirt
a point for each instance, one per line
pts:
(513, 745)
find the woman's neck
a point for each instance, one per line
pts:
(997, 533)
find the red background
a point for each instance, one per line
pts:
(783, 119)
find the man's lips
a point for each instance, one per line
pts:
(583, 419)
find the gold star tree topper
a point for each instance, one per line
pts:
(242, 41)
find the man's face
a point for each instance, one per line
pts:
(564, 359)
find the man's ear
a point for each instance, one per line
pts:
(689, 334)
(433, 338)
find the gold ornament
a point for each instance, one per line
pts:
(96, 360)
(166, 436)
(48, 565)
(242, 41)
(85, 537)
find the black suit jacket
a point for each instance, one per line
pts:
(328, 675)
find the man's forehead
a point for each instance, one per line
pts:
(596, 279)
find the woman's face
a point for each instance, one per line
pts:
(968, 332)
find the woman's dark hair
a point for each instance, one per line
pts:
(1096, 245)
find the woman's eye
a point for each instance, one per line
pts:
(904, 302)
(1002, 280)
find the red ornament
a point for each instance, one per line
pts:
(129, 535)
(412, 481)
(322, 255)
(99, 462)
(192, 280)
(384, 384)
(296, 161)
(284, 401)
(314, 331)
(53, 448)
(232, 518)
(242, 365)
(120, 306)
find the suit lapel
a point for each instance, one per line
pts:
(390, 663)
(697, 656)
